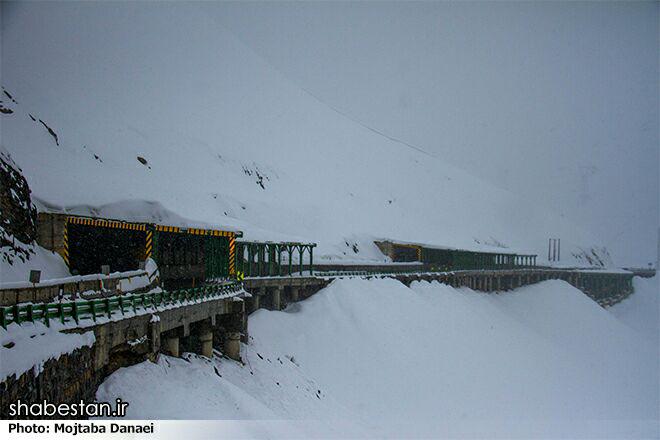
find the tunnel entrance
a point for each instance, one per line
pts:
(90, 247)
(406, 253)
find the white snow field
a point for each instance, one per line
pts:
(430, 360)
(641, 311)
(227, 140)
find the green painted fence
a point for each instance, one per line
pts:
(265, 259)
(94, 309)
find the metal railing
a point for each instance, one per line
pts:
(95, 309)
(265, 259)
(406, 271)
(362, 272)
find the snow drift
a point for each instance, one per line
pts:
(641, 311)
(430, 360)
(141, 119)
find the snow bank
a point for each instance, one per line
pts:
(429, 360)
(30, 345)
(265, 387)
(416, 359)
(641, 310)
(50, 264)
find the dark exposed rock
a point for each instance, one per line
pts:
(19, 215)
(52, 133)
(70, 378)
(9, 96)
(5, 110)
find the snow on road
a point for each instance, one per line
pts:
(429, 360)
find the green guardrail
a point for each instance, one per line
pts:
(105, 307)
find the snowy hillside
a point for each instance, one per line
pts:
(143, 120)
(429, 360)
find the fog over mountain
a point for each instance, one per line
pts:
(459, 125)
(555, 101)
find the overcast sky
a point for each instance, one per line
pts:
(557, 101)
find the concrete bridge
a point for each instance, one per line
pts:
(128, 329)
(132, 328)
(604, 287)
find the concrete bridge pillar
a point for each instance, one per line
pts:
(256, 302)
(172, 346)
(154, 337)
(277, 298)
(295, 294)
(232, 346)
(206, 339)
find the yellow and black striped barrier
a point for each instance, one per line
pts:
(195, 231)
(107, 223)
(232, 255)
(149, 245)
(65, 242)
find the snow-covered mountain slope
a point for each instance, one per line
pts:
(145, 112)
(424, 361)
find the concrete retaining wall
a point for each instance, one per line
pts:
(71, 287)
(70, 378)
